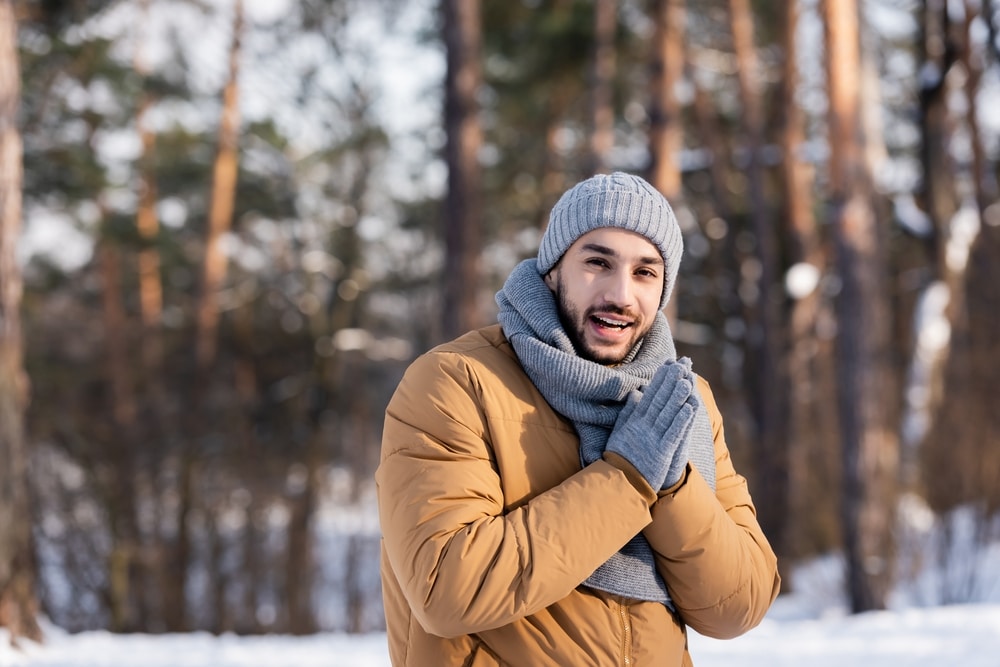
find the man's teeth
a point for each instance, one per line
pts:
(610, 323)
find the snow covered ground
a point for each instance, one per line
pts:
(966, 635)
(808, 627)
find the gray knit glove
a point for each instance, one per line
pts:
(652, 429)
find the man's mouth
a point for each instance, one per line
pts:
(609, 323)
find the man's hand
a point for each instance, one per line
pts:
(652, 429)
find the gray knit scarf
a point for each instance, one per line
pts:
(591, 395)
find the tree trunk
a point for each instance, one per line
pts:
(602, 131)
(961, 461)
(18, 603)
(869, 444)
(222, 204)
(463, 204)
(219, 572)
(124, 591)
(984, 186)
(299, 559)
(711, 131)
(960, 464)
(809, 391)
(150, 383)
(253, 572)
(174, 574)
(147, 222)
(223, 200)
(666, 131)
(941, 44)
(767, 385)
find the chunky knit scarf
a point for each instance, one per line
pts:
(591, 395)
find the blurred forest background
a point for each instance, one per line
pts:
(241, 223)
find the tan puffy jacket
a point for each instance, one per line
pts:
(489, 525)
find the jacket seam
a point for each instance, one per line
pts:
(420, 447)
(721, 602)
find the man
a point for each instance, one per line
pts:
(556, 489)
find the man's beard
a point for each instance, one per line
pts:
(573, 323)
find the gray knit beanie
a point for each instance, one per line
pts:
(614, 200)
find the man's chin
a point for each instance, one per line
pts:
(605, 356)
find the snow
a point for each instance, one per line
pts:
(103, 649)
(801, 280)
(966, 635)
(945, 558)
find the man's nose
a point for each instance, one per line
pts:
(619, 290)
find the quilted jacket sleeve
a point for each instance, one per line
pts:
(465, 563)
(721, 572)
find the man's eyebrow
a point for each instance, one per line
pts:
(610, 252)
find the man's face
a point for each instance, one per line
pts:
(608, 285)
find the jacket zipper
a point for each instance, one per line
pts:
(626, 619)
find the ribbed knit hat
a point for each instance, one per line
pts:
(614, 200)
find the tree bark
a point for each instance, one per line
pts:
(869, 446)
(808, 386)
(960, 464)
(150, 383)
(974, 61)
(18, 602)
(710, 130)
(602, 131)
(767, 385)
(223, 199)
(124, 591)
(147, 222)
(666, 132)
(213, 271)
(938, 192)
(463, 204)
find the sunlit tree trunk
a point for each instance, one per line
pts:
(150, 377)
(960, 462)
(214, 265)
(463, 204)
(147, 222)
(937, 192)
(812, 414)
(223, 198)
(941, 46)
(602, 131)
(666, 132)
(961, 465)
(18, 604)
(974, 61)
(938, 195)
(869, 442)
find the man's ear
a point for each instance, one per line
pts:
(550, 279)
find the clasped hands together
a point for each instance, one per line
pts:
(652, 429)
